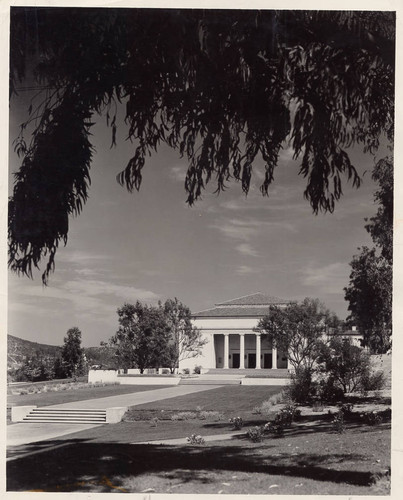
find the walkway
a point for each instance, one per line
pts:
(24, 433)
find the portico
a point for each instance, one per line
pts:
(232, 342)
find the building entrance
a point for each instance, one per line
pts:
(235, 360)
(252, 360)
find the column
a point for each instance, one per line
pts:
(242, 351)
(258, 351)
(213, 361)
(226, 349)
(274, 357)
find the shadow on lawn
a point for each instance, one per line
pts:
(81, 466)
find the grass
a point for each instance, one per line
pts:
(54, 398)
(305, 461)
(311, 458)
(227, 399)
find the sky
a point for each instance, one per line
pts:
(150, 245)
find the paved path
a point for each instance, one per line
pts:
(138, 398)
(19, 434)
(25, 433)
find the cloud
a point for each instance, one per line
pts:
(177, 173)
(242, 270)
(331, 278)
(245, 229)
(246, 249)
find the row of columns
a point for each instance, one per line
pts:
(242, 352)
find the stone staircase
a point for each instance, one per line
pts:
(65, 416)
(204, 380)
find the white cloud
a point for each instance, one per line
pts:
(247, 249)
(177, 173)
(242, 270)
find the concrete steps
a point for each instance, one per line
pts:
(65, 416)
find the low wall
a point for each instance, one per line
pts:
(18, 413)
(102, 376)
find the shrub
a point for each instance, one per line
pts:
(197, 370)
(257, 410)
(255, 434)
(346, 409)
(376, 417)
(328, 390)
(211, 415)
(186, 371)
(165, 371)
(195, 439)
(154, 421)
(301, 388)
(338, 422)
(237, 423)
(184, 415)
(373, 381)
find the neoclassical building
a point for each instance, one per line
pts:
(231, 341)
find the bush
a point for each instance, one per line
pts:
(195, 439)
(301, 389)
(165, 371)
(338, 422)
(197, 370)
(328, 390)
(255, 434)
(186, 371)
(373, 381)
(210, 415)
(184, 415)
(237, 422)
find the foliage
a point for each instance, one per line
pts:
(216, 416)
(73, 354)
(347, 365)
(222, 87)
(327, 390)
(186, 340)
(301, 388)
(369, 292)
(195, 439)
(184, 415)
(373, 381)
(142, 337)
(297, 330)
(338, 422)
(255, 434)
(34, 369)
(197, 370)
(237, 423)
(376, 417)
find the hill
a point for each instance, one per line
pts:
(19, 349)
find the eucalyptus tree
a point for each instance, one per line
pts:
(222, 87)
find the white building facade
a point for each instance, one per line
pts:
(232, 342)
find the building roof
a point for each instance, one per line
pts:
(256, 304)
(255, 299)
(232, 311)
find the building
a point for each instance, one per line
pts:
(231, 340)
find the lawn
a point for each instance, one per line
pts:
(305, 461)
(82, 394)
(311, 458)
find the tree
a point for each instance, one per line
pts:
(298, 329)
(370, 289)
(73, 353)
(142, 337)
(222, 87)
(345, 364)
(186, 340)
